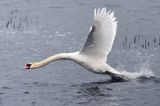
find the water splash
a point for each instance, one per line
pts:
(144, 72)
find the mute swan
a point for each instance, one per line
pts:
(93, 55)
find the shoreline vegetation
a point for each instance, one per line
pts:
(16, 21)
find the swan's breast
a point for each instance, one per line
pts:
(90, 64)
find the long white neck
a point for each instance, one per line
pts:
(60, 56)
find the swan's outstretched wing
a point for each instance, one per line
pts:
(101, 36)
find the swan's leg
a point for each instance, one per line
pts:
(116, 77)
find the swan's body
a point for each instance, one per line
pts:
(93, 55)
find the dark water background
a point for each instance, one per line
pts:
(32, 30)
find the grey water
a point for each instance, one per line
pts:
(31, 30)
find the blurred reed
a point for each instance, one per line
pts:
(15, 20)
(140, 41)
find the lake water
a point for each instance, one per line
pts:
(33, 30)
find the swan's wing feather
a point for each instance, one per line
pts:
(101, 35)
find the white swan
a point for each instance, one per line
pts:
(93, 55)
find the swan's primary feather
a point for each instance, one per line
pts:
(101, 36)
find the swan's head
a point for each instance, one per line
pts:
(28, 66)
(31, 66)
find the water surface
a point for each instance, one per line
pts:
(33, 30)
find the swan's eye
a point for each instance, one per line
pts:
(28, 66)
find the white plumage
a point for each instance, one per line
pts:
(93, 55)
(101, 35)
